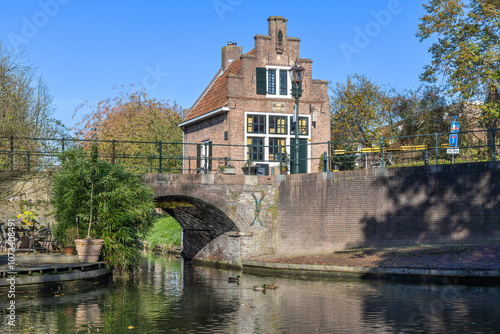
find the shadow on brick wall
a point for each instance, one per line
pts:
(458, 203)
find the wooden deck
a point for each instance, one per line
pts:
(48, 268)
(38, 269)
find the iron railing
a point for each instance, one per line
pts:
(40, 154)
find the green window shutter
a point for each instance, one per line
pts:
(261, 80)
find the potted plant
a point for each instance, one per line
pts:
(69, 240)
(30, 220)
(245, 169)
(113, 206)
(89, 249)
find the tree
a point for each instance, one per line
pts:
(109, 202)
(358, 109)
(26, 112)
(136, 118)
(466, 49)
(26, 106)
(26, 109)
(420, 112)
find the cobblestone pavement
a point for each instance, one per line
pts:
(466, 256)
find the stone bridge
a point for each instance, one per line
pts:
(231, 218)
(224, 218)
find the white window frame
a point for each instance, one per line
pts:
(288, 82)
(267, 135)
(206, 143)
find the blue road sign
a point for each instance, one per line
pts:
(454, 140)
(455, 127)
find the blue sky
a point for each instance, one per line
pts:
(172, 48)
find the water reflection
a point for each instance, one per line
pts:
(88, 316)
(170, 297)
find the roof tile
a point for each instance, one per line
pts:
(216, 97)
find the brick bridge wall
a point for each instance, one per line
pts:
(388, 207)
(332, 211)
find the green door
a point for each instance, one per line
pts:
(302, 155)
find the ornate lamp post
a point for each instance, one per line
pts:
(296, 74)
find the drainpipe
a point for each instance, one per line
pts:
(183, 152)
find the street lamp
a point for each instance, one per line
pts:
(296, 74)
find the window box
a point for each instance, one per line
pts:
(229, 170)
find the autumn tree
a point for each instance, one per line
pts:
(421, 111)
(358, 109)
(26, 105)
(27, 127)
(133, 130)
(465, 51)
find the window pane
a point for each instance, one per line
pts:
(282, 125)
(271, 84)
(283, 82)
(275, 144)
(256, 124)
(262, 124)
(303, 126)
(277, 124)
(256, 149)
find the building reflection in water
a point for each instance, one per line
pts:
(168, 296)
(88, 316)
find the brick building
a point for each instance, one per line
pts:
(248, 105)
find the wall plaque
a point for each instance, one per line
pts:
(277, 106)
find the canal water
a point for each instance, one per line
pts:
(167, 296)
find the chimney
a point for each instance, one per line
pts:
(229, 53)
(277, 32)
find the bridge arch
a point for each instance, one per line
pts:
(204, 217)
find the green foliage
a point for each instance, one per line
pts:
(165, 231)
(70, 236)
(138, 124)
(358, 109)
(465, 49)
(119, 204)
(26, 109)
(423, 111)
(273, 210)
(344, 162)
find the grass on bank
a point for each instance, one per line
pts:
(166, 231)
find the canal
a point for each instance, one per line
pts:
(167, 296)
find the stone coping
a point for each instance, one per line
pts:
(473, 273)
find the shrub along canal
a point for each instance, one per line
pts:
(168, 296)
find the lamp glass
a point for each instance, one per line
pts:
(296, 73)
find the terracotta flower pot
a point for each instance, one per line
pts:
(69, 250)
(89, 249)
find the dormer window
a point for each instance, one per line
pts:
(273, 81)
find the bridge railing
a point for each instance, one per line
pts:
(39, 154)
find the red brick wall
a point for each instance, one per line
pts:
(408, 206)
(242, 97)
